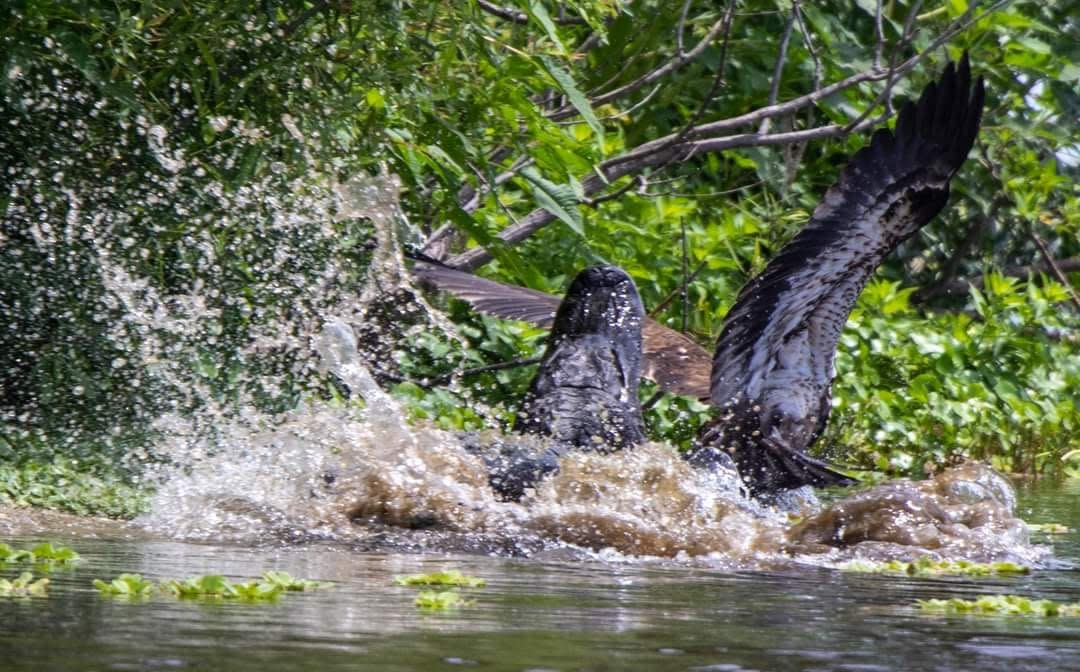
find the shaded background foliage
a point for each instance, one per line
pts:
(493, 114)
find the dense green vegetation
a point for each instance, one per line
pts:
(166, 243)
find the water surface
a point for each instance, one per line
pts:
(601, 612)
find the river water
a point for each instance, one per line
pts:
(602, 612)
(633, 561)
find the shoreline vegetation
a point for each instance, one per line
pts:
(176, 223)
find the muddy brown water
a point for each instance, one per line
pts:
(557, 610)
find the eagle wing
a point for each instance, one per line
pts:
(671, 359)
(786, 322)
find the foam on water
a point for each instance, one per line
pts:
(365, 476)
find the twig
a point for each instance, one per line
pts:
(721, 68)
(960, 285)
(952, 265)
(512, 364)
(513, 15)
(1055, 269)
(816, 80)
(698, 195)
(718, 81)
(681, 27)
(879, 32)
(638, 181)
(666, 301)
(672, 64)
(685, 277)
(778, 70)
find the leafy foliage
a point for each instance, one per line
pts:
(213, 587)
(42, 554)
(193, 126)
(68, 485)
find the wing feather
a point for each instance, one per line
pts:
(673, 360)
(888, 191)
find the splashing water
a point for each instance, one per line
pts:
(199, 348)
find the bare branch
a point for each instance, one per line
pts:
(666, 301)
(499, 366)
(672, 64)
(778, 70)
(719, 80)
(688, 142)
(961, 24)
(952, 265)
(681, 27)
(635, 162)
(685, 277)
(961, 286)
(1055, 269)
(816, 80)
(513, 15)
(879, 32)
(638, 182)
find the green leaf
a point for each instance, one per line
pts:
(574, 94)
(558, 199)
(451, 577)
(540, 13)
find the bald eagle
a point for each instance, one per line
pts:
(771, 374)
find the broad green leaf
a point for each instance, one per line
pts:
(558, 199)
(540, 13)
(574, 94)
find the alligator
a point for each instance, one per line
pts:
(770, 376)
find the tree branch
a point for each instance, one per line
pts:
(514, 16)
(689, 142)
(1055, 269)
(778, 70)
(961, 285)
(951, 266)
(612, 170)
(672, 64)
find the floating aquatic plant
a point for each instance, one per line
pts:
(286, 582)
(42, 553)
(23, 586)
(1049, 528)
(1007, 605)
(451, 577)
(211, 586)
(927, 567)
(126, 585)
(439, 600)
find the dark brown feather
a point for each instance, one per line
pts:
(773, 366)
(672, 360)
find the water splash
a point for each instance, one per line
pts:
(214, 301)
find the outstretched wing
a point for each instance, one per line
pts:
(487, 296)
(674, 361)
(786, 322)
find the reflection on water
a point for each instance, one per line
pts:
(602, 613)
